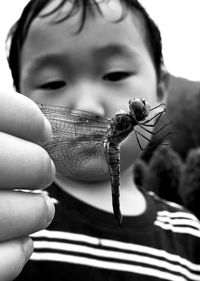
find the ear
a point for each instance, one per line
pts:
(163, 84)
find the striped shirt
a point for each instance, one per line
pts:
(85, 243)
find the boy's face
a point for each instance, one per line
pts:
(98, 69)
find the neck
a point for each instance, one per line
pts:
(132, 201)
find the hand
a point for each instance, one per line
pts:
(24, 164)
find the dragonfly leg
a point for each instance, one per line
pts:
(152, 144)
(136, 134)
(157, 131)
(157, 106)
(158, 115)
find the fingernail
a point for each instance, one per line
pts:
(51, 172)
(51, 209)
(47, 132)
(28, 247)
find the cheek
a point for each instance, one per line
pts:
(144, 85)
(149, 93)
(137, 87)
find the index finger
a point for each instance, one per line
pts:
(21, 117)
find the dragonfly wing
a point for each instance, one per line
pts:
(72, 159)
(74, 122)
(77, 140)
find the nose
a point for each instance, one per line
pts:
(89, 98)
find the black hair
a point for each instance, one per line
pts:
(18, 32)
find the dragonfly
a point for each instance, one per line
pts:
(80, 136)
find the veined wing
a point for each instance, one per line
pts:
(77, 140)
(75, 124)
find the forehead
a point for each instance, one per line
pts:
(110, 10)
(100, 29)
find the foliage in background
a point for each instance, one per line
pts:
(183, 109)
(139, 173)
(164, 172)
(189, 187)
(171, 178)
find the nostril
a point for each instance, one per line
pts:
(88, 97)
(98, 111)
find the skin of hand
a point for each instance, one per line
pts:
(24, 165)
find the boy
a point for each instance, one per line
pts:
(96, 56)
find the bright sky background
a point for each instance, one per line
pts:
(178, 20)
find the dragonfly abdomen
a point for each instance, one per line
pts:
(112, 154)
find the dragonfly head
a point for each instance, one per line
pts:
(139, 108)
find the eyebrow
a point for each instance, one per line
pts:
(110, 50)
(115, 50)
(45, 60)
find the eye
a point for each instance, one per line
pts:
(54, 85)
(116, 76)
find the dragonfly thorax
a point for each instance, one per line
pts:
(121, 126)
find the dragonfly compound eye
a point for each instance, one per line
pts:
(137, 109)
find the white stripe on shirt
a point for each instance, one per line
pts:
(178, 222)
(178, 214)
(147, 254)
(116, 255)
(108, 265)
